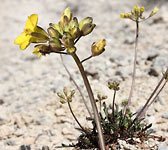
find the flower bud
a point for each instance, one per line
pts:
(136, 9)
(98, 48)
(128, 15)
(87, 20)
(122, 15)
(58, 28)
(75, 32)
(87, 28)
(62, 101)
(73, 23)
(142, 9)
(55, 44)
(72, 93)
(41, 30)
(53, 33)
(65, 90)
(155, 10)
(66, 17)
(38, 37)
(60, 95)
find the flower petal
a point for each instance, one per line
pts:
(24, 45)
(20, 39)
(32, 22)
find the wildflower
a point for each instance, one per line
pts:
(114, 85)
(154, 11)
(26, 36)
(98, 48)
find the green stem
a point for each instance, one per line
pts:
(134, 69)
(75, 117)
(92, 100)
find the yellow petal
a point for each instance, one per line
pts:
(36, 51)
(24, 45)
(32, 22)
(20, 39)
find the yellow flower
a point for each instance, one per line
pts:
(24, 39)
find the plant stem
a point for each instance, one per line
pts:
(86, 59)
(92, 100)
(158, 93)
(157, 87)
(75, 117)
(114, 101)
(134, 69)
(83, 99)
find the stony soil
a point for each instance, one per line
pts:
(30, 112)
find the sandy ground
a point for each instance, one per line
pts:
(29, 107)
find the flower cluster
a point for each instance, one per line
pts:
(66, 97)
(59, 37)
(137, 13)
(114, 85)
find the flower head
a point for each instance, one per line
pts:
(137, 13)
(31, 33)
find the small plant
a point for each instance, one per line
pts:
(112, 123)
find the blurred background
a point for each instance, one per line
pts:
(28, 85)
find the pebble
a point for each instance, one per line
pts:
(165, 115)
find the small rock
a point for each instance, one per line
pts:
(129, 40)
(10, 142)
(153, 72)
(165, 115)
(1, 102)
